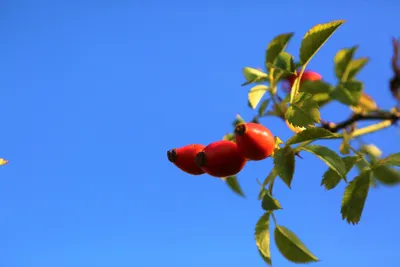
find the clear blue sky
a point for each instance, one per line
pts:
(94, 93)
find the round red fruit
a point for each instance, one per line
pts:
(308, 75)
(255, 141)
(221, 159)
(184, 158)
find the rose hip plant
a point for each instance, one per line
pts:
(305, 94)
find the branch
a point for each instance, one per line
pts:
(393, 117)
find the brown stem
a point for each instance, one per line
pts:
(393, 117)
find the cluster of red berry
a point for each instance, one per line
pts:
(225, 158)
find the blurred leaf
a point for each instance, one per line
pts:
(315, 38)
(3, 161)
(303, 111)
(284, 164)
(333, 160)
(365, 103)
(278, 110)
(230, 137)
(233, 184)
(254, 75)
(354, 197)
(238, 120)
(322, 99)
(263, 107)
(291, 247)
(371, 150)
(256, 93)
(342, 61)
(311, 134)
(345, 145)
(355, 67)
(269, 203)
(331, 178)
(315, 87)
(276, 46)
(387, 175)
(391, 160)
(262, 237)
(348, 93)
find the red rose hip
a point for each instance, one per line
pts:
(255, 141)
(308, 75)
(221, 159)
(184, 158)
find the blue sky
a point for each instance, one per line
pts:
(94, 93)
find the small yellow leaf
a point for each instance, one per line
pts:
(3, 161)
(255, 94)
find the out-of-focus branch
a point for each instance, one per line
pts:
(393, 117)
(395, 81)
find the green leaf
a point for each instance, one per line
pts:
(333, 160)
(256, 93)
(345, 145)
(254, 75)
(342, 61)
(238, 120)
(348, 93)
(284, 164)
(229, 137)
(303, 111)
(263, 107)
(322, 99)
(291, 247)
(234, 185)
(315, 87)
(269, 203)
(356, 66)
(391, 160)
(276, 46)
(270, 178)
(311, 134)
(371, 150)
(331, 178)
(262, 237)
(386, 175)
(285, 62)
(315, 38)
(355, 196)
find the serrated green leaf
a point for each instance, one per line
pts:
(276, 46)
(342, 61)
(386, 175)
(348, 93)
(303, 111)
(256, 93)
(291, 247)
(284, 163)
(355, 67)
(229, 137)
(311, 134)
(355, 196)
(271, 177)
(262, 237)
(263, 107)
(234, 185)
(331, 178)
(269, 203)
(254, 75)
(391, 160)
(315, 87)
(315, 38)
(333, 160)
(345, 145)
